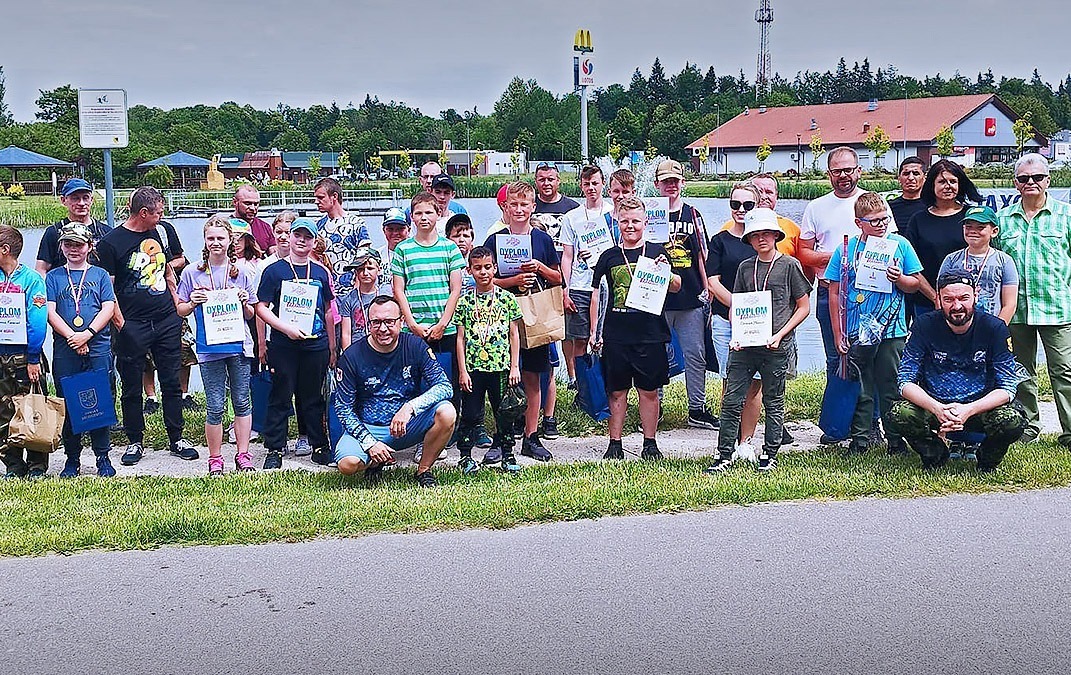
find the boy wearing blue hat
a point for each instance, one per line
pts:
(301, 346)
(996, 280)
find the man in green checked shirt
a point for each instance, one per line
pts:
(1036, 233)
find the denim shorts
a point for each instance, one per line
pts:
(414, 433)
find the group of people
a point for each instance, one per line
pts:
(379, 350)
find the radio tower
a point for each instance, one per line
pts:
(764, 17)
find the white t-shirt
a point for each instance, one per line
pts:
(581, 272)
(829, 218)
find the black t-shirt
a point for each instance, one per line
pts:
(624, 325)
(686, 236)
(933, 237)
(550, 214)
(903, 209)
(50, 252)
(139, 265)
(726, 253)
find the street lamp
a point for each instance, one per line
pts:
(717, 153)
(562, 143)
(609, 133)
(799, 148)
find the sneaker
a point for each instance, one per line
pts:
(746, 451)
(518, 429)
(151, 406)
(572, 386)
(132, 455)
(720, 464)
(321, 456)
(956, 449)
(243, 461)
(468, 466)
(970, 453)
(71, 468)
(189, 404)
(614, 450)
(12, 475)
(897, 447)
(531, 447)
(302, 447)
(767, 462)
(787, 438)
(183, 449)
(857, 448)
(482, 439)
(36, 474)
(273, 459)
(876, 436)
(104, 466)
(215, 466)
(373, 475)
(509, 464)
(493, 456)
(426, 479)
(550, 428)
(826, 439)
(702, 419)
(650, 450)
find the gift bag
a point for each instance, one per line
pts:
(37, 424)
(675, 355)
(89, 400)
(591, 388)
(542, 317)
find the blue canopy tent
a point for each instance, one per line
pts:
(186, 167)
(15, 158)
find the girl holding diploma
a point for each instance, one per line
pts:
(222, 297)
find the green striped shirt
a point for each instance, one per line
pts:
(426, 270)
(1041, 250)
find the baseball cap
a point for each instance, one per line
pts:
(307, 224)
(442, 180)
(761, 220)
(501, 196)
(394, 216)
(981, 214)
(669, 168)
(361, 256)
(77, 232)
(956, 275)
(75, 185)
(458, 218)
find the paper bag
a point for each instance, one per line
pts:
(543, 317)
(37, 424)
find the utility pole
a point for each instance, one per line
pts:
(764, 17)
(583, 77)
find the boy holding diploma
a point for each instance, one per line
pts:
(877, 327)
(635, 351)
(770, 290)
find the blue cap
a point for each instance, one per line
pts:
(75, 185)
(394, 215)
(307, 224)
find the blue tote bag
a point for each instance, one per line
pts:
(591, 388)
(89, 400)
(675, 355)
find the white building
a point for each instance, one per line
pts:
(981, 123)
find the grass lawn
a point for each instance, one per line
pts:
(54, 516)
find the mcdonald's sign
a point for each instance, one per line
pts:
(582, 41)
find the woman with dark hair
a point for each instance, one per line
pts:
(938, 230)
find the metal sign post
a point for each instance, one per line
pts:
(102, 124)
(583, 77)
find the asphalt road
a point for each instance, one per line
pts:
(967, 584)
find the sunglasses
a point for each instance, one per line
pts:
(736, 205)
(843, 172)
(1028, 177)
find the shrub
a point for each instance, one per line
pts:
(16, 191)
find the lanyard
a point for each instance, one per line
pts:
(77, 292)
(755, 276)
(308, 270)
(212, 276)
(967, 263)
(492, 311)
(628, 266)
(7, 280)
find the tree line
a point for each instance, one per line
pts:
(655, 111)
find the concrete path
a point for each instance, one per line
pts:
(963, 584)
(673, 443)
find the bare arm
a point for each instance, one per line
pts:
(514, 352)
(398, 286)
(721, 293)
(816, 260)
(1009, 299)
(347, 332)
(803, 308)
(909, 283)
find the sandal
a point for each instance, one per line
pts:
(215, 466)
(244, 462)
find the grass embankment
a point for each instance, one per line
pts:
(54, 516)
(38, 211)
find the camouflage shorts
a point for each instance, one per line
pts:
(912, 422)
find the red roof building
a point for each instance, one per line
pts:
(982, 125)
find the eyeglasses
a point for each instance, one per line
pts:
(383, 323)
(877, 222)
(1028, 177)
(843, 172)
(736, 205)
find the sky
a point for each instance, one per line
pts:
(461, 54)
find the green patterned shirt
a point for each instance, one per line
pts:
(1041, 250)
(486, 319)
